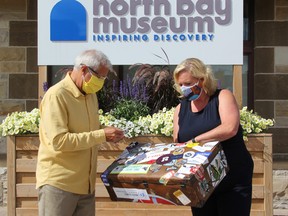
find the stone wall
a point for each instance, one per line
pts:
(18, 60)
(19, 71)
(271, 69)
(3, 186)
(18, 55)
(18, 67)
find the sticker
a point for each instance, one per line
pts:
(160, 144)
(188, 154)
(190, 144)
(171, 168)
(153, 156)
(156, 200)
(121, 161)
(131, 161)
(204, 187)
(131, 169)
(178, 151)
(124, 154)
(131, 155)
(132, 145)
(210, 145)
(216, 169)
(200, 174)
(180, 145)
(104, 178)
(131, 193)
(194, 169)
(180, 162)
(167, 158)
(155, 167)
(205, 154)
(198, 159)
(172, 163)
(184, 170)
(165, 178)
(179, 175)
(199, 148)
(182, 197)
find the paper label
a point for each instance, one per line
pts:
(131, 193)
(182, 197)
(131, 169)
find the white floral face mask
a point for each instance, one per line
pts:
(191, 92)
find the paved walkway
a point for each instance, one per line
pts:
(280, 212)
(3, 211)
(277, 212)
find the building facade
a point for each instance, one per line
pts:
(267, 76)
(267, 50)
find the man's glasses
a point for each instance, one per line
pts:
(95, 73)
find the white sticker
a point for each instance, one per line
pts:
(184, 170)
(131, 169)
(131, 193)
(188, 154)
(182, 197)
(199, 148)
(210, 145)
(198, 159)
(153, 156)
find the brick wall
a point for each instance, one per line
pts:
(18, 55)
(18, 60)
(271, 69)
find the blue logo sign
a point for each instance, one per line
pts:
(68, 21)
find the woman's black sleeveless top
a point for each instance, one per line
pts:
(192, 124)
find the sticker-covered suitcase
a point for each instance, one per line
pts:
(166, 173)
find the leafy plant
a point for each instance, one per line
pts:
(160, 123)
(253, 123)
(106, 97)
(20, 123)
(159, 83)
(110, 95)
(129, 109)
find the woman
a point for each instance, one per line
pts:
(208, 114)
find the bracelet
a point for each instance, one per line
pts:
(193, 140)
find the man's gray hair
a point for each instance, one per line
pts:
(92, 58)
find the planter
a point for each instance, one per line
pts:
(22, 195)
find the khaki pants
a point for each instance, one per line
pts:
(56, 202)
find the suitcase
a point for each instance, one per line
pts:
(166, 173)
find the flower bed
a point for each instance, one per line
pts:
(160, 123)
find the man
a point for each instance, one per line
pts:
(69, 135)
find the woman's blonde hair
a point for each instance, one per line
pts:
(198, 70)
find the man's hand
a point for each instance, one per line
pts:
(113, 134)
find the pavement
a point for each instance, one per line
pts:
(3, 211)
(276, 212)
(280, 212)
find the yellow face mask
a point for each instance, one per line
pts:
(93, 85)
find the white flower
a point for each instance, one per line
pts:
(253, 123)
(20, 123)
(160, 123)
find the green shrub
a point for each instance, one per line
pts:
(129, 109)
